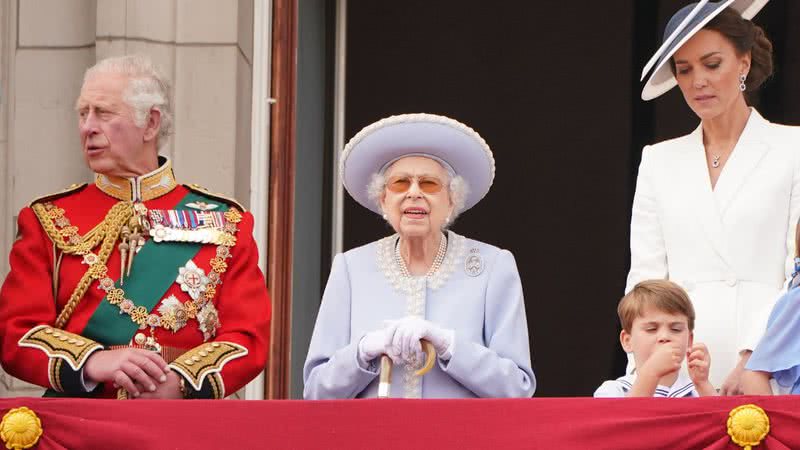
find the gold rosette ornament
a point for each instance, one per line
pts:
(20, 428)
(748, 425)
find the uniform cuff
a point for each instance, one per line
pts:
(212, 388)
(72, 348)
(200, 367)
(68, 352)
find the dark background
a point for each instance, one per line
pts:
(553, 86)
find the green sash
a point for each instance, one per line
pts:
(154, 270)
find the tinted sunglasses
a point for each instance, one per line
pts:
(402, 183)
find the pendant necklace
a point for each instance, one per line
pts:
(715, 162)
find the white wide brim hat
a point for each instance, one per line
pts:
(441, 138)
(681, 27)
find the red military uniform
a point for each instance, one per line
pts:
(194, 291)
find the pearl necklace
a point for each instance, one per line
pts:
(437, 261)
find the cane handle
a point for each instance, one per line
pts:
(430, 357)
(385, 377)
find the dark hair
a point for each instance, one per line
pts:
(745, 37)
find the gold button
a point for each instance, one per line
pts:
(48, 331)
(79, 343)
(139, 338)
(196, 358)
(56, 334)
(209, 349)
(63, 338)
(71, 341)
(203, 354)
(188, 362)
(215, 345)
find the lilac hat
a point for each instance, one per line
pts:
(681, 27)
(459, 148)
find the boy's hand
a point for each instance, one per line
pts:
(665, 359)
(698, 361)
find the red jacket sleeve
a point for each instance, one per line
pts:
(30, 348)
(26, 300)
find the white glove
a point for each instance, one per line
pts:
(405, 342)
(374, 344)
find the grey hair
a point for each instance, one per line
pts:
(457, 187)
(147, 89)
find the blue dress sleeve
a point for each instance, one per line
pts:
(502, 368)
(331, 370)
(778, 352)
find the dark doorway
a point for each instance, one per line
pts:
(553, 88)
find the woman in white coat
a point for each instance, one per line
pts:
(715, 210)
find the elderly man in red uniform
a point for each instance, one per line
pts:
(134, 286)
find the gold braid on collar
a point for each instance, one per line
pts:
(142, 188)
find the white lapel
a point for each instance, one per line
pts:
(699, 191)
(748, 152)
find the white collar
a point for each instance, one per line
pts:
(682, 387)
(752, 131)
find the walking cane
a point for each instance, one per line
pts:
(384, 386)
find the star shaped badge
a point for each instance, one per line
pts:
(192, 280)
(209, 321)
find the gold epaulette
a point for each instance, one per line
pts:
(201, 190)
(205, 360)
(72, 188)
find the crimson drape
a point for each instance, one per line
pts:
(547, 423)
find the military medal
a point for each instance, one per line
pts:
(209, 320)
(171, 314)
(192, 279)
(203, 227)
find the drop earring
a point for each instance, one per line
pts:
(742, 79)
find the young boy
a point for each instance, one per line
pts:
(657, 326)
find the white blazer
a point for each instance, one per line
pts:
(732, 248)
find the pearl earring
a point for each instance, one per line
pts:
(742, 79)
(385, 217)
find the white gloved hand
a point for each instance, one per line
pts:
(374, 344)
(405, 343)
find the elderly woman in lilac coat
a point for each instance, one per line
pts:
(419, 171)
